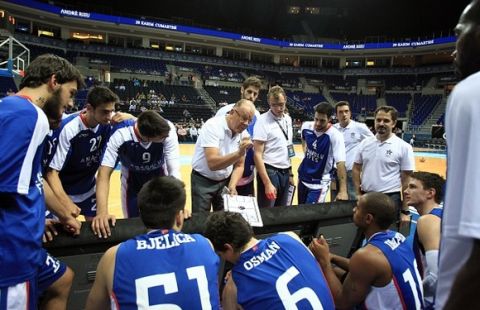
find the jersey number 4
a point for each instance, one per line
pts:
(169, 282)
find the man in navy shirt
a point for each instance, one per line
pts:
(164, 268)
(47, 89)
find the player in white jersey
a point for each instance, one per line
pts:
(324, 151)
(353, 133)
(459, 270)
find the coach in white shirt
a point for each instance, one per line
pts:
(273, 148)
(384, 162)
(353, 133)
(219, 156)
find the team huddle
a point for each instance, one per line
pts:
(54, 167)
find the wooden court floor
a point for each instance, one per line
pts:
(422, 162)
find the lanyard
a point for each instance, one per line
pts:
(281, 127)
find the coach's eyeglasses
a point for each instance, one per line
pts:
(243, 118)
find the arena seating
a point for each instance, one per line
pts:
(423, 105)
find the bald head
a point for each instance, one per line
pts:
(241, 115)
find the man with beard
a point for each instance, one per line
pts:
(81, 143)
(250, 90)
(324, 150)
(46, 90)
(384, 162)
(459, 270)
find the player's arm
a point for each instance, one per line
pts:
(229, 294)
(339, 261)
(236, 175)
(356, 171)
(99, 297)
(258, 148)
(69, 222)
(342, 181)
(100, 223)
(53, 178)
(216, 161)
(428, 229)
(363, 271)
(304, 145)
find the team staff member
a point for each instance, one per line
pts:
(384, 162)
(273, 148)
(162, 269)
(278, 272)
(249, 91)
(353, 133)
(381, 275)
(425, 193)
(46, 90)
(145, 149)
(324, 149)
(219, 156)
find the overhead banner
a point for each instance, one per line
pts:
(223, 34)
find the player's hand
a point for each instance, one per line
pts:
(321, 251)
(73, 209)
(101, 225)
(71, 225)
(120, 117)
(404, 220)
(341, 196)
(270, 191)
(232, 190)
(245, 144)
(50, 230)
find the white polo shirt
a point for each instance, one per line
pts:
(268, 129)
(461, 214)
(382, 163)
(215, 133)
(353, 134)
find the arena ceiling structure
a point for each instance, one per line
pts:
(302, 20)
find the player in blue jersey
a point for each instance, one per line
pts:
(278, 272)
(145, 149)
(81, 143)
(425, 193)
(163, 269)
(46, 90)
(381, 275)
(324, 151)
(250, 90)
